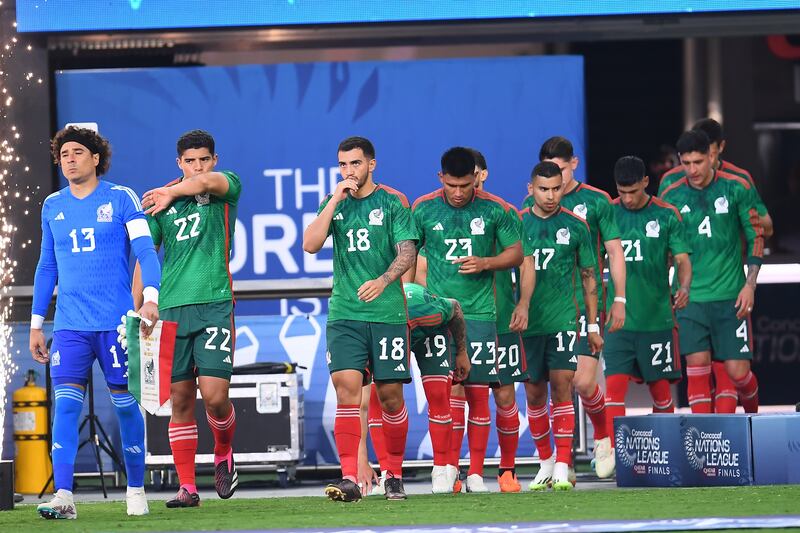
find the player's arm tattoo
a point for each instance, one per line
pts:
(589, 284)
(406, 255)
(458, 327)
(752, 275)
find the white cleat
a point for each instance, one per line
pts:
(561, 477)
(604, 461)
(59, 508)
(379, 489)
(137, 501)
(440, 480)
(452, 476)
(475, 483)
(544, 478)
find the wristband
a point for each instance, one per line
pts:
(593, 328)
(620, 299)
(37, 321)
(150, 295)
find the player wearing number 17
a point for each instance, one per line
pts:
(367, 331)
(88, 231)
(717, 208)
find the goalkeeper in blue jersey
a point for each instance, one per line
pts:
(88, 231)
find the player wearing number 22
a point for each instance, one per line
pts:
(717, 208)
(462, 230)
(643, 349)
(193, 219)
(367, 330)
(88, 231)
(557, 243)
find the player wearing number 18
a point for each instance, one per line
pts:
(643, 349)
(373, 245)
(717, 208)
(193, 219)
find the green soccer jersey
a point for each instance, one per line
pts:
(505, 296)
(714, 219)
(196, 234)
(366, 232)
(649, 235)
(449, 233)
(559, 244)
(427, 313)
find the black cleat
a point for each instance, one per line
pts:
(184, 498)
(343, 491)
(226, 479)
(394, 489)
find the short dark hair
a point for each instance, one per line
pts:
(480, 161)
(712, 128)
(351, 143)
(195, 139)
(556, 147)
(693, 141)
(92, 140)
(545, 169)
(629, 170)
(458, 162)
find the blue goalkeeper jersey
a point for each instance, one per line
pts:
(86, 243)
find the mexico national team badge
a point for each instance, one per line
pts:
(652, 229)
(376, 217)
(476, 226)
(562, 236)
(721, 205)
(202, 199)
(105, 213)
(581, 210)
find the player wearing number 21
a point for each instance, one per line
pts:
(367, 330)
(717, 208)
(556, 243)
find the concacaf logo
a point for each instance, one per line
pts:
(690, 436)
(626, 457)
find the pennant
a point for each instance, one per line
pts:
(150, 362)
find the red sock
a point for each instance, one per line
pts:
(539, 424)
(507, 423)
(223, 430)
(395, 431)
(662, 396)
(347, 433)
(748, 392)
(595, 408)
(457, 405)
(480, 421)
(375, 424)
(183, 441)
(725, 397)
(440, 422)
(698, 388)
(616, 389)
(563, 430)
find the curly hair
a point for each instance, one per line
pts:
(86, 137)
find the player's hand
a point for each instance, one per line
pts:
(38, 346)
(463, 366)
(343, 188)
(156, 200)
(366, 476)
(745, 301)
(371, 289)
(681, 298)
(149, 313)
(470, 264)
(595, 342)
(519, 318)
(616, 317)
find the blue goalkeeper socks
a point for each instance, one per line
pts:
(68, 405)
(131, 428)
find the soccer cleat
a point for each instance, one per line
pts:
(561, 477)
(475, 483)
(544, 477)
(343, 491)
(61, 507)
(380, 487)
(136, 500)
(571, 476)
(440, 480)
(604, 458)
(394, 488)
(226, 479)
(452, 478)
(508, 482)
(184, 498)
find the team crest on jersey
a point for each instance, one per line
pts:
(376, 217)
(562, 236)
(203, 199)
(721, 205)
(477, 226)
(55, 359)
(105, 213)
(652, 229)
(581, 210)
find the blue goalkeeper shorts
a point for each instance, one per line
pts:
(73, 353)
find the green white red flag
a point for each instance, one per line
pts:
(150, 362)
